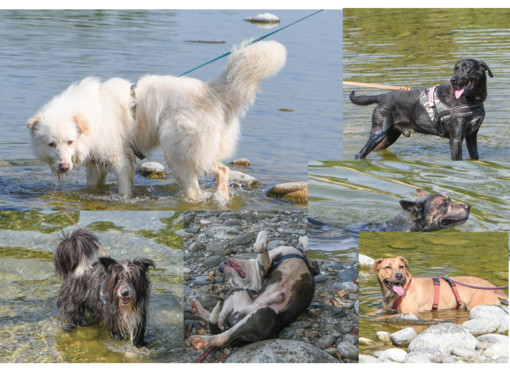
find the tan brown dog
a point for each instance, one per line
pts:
(405, 293)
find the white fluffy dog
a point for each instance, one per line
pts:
(104, 125)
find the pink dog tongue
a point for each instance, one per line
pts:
(398, 289)
(459, 93)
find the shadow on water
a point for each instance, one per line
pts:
(29, 324)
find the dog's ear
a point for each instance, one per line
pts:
(144, 263)
(82, 124)
(404, 260)
(376, 265)
(107, 263)
(409, 206)
(487, 68)
(34, 121)
(421, 192)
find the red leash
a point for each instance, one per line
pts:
(205, 354)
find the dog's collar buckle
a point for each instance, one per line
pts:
(400, 297)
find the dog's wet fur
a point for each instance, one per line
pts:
(260, 303)
(400, 112)
(105, 125)
(101, 289)
(430, 212)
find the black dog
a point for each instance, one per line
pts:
(101, 289)
(451, 110)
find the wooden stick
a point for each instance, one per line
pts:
(371, 85)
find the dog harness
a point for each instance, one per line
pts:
(136, 151)
(440, 113)
(436, 291)
(400, 297)
(276, 262)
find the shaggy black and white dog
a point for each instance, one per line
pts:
(101, 289)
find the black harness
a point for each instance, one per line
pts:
(440, 113)
(276, 262)
(136, 151)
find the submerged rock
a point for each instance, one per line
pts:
(292, 192)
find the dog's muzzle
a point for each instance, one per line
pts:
(232, 265)
(396, 287)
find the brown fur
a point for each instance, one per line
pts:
(420, 296)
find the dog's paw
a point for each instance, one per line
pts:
(221, 199)
(195, 306)
(198, 342)
(260, 245)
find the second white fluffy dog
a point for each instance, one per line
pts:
(105, 125)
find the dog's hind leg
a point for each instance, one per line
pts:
(391, 136)
(472, 146)
(374, 140)
(125, 176)
(255, 326)
(221, 196)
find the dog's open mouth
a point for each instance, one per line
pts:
(463, 90)
(235, 267)
(396, 287)
(452, 221)
(125, 300)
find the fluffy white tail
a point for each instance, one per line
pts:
(247, 66)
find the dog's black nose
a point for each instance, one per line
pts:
(124, 292)
(399, 276)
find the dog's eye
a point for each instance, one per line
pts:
(52, 144)
(388, 267)
(69, 143)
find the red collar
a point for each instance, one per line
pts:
(400, 297)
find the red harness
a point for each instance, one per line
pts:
(436, 293)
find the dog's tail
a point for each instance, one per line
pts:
(75, 253)
(364, 100)
(247, 66)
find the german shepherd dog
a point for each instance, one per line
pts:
(101, 289)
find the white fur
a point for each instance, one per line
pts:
(195, 123)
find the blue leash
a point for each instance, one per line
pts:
(256, 40)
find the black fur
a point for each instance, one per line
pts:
(101, 289)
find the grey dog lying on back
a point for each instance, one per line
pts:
(451, 110)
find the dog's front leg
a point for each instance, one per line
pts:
(260, 247)
(472, 146)
(456, 138)
(96, 175)
(125, 177)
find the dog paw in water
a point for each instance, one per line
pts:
(220, 199)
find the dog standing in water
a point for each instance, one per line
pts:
(105, 125)
(101, 289)
(452, 110)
